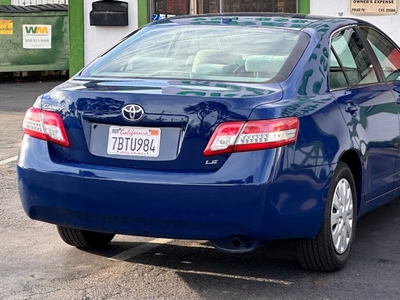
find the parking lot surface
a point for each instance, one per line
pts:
(36, 264)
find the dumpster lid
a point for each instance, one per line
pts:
(51, 7)
(32, 8)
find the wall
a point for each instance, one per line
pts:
(98, 39)
(389, 24)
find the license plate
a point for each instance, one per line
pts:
(135, 141)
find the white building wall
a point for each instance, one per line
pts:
(98, 39)
(390, 24)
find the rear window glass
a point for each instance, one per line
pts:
(241, 54)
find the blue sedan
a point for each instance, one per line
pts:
(234, 128)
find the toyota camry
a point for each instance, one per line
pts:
(233, 128)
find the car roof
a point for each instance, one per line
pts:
(261, 19)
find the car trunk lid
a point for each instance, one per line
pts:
(102, 121)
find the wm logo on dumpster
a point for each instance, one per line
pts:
(36, 36)
(37, 29)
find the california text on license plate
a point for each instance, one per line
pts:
(137, 141)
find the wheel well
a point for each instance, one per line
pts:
(352, 159)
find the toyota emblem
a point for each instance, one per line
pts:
(132, 112)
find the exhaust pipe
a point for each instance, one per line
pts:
(236, 244)
(241, 242)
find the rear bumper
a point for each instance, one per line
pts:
(210, 206)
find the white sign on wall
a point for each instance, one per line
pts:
(36, 36)
(373, 7)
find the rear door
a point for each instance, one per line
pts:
(389, 59)
(369, 108)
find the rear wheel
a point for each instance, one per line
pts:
(84, 239)
(330, 249)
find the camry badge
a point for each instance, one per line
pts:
(132, 112)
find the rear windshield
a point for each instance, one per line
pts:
(223, 53)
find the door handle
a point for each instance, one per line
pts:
(398, 100)
(351, 107)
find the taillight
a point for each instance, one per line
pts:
(252, 135)
(45, 125)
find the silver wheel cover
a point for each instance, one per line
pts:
(342, 216)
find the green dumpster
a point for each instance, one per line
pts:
(34, 38)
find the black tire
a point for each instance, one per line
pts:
(321, 253)
(84, 239)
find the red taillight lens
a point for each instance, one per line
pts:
(252, 135)
(45, 125)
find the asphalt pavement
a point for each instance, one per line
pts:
(15, 99)
(18, 96)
